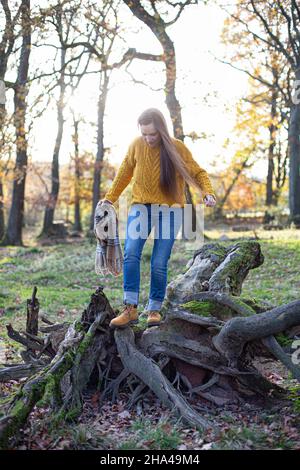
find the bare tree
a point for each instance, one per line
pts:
(13, 235)
(77, 175)
(62, 16)
(9, 35)
(93, 35)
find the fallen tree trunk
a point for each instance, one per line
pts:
(202, 352)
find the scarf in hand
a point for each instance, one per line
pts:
(109, 256)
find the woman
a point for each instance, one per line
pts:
(159, 165)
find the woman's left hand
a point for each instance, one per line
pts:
(209, 200)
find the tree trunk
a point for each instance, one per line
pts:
(13, 234)
(2, 120)
(272, 143)
(53, 196)
(2, 222)
(77, 216)
(294, 155)
(103, 90)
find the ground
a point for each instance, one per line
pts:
(65, 277)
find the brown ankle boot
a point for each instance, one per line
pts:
(154, 318)
(129, 316)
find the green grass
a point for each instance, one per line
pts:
(65, 278)
(294, 390)
(278, 279)
(159, 436)
(254, 438)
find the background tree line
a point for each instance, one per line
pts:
(77, 39)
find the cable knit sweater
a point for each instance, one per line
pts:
(142, 164)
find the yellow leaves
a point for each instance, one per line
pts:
(21, 130)
(243, 195)
(21, 143)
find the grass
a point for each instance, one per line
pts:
(294, 390)
(254, 438)
(65, 278)
(160, 436)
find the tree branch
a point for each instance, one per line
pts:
(275, 38)
(182, 6)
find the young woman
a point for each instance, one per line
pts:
(159, 165)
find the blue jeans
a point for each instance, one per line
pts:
(166, 222)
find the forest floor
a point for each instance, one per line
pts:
(65, 278)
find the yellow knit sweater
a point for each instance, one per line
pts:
(142, 164)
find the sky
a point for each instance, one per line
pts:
(206, 89)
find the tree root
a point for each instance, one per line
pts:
(149, 372)
(274, 347)
(231, 340)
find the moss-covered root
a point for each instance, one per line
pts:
(230, 274)
(29, 395)
(84, 362)
(217, 305)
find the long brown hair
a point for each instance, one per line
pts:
(170, 160)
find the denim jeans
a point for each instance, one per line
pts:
(141, 219)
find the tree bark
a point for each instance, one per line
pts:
(77, 215)
(53, 195)
(2, 220)
(13, 235)
(294, 156)
(272, 143)
(103, 91)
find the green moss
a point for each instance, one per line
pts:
(85, 343)
(19, 409)
(218, 251)
(51, 392)
(283, 340)
(204, 309)
(243, 304)
(244, 252)
(253, 303)
(141, 326)
(208, 308)
(79, 326)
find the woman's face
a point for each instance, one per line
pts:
(150, 135)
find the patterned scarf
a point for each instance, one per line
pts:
(109, 256)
